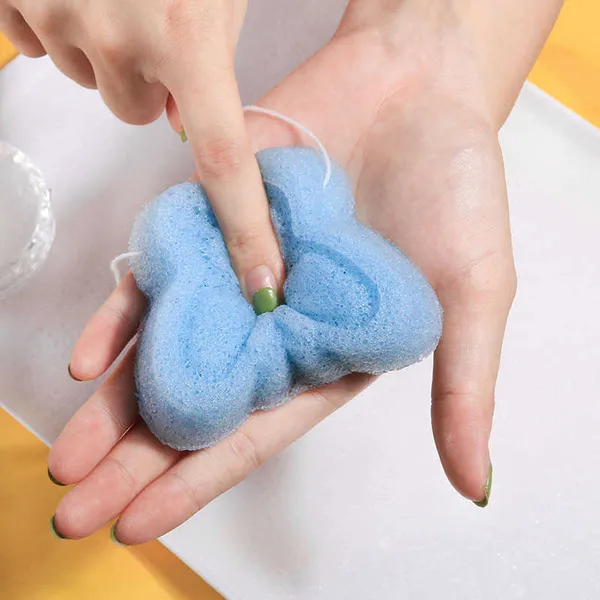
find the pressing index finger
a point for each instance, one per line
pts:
(211, 111)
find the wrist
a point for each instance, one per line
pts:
(478, 54)
(425, 48)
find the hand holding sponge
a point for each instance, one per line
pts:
(206, 361)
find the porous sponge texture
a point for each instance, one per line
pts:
(206, 361)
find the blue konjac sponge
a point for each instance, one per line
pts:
(205, 360)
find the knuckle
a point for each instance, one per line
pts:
(45, 18)
(494, 277)
(141, 113)
(187, 490)
(117, 313)
(107, 413)
(111, 45)
(244, 450)
(89, 83)
(219, 157)
(123, 473)
(330, 401)
(243, 242)
(468, 397)
(30, 50)
(103, 414)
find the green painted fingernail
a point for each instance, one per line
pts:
(487, 490)
(71, 373)
(113, 537)
(54, 531)
(183, 136)
(265, 300)
(54, 480)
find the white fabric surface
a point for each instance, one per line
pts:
(359, 508)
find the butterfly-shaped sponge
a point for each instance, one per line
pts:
(206, 361)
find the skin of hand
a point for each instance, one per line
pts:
(419, 140)
(145, 54)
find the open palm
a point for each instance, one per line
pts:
(428, 174)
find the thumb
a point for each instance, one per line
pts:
(464, 378)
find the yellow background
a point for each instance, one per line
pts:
(569, 66)
(35, 566)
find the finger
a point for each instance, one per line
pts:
(263, 131)
(206, 94)
(131, 98)
(16, 29)
(108, 331)
(73, 63)
(97, 426)
(123, 88)
(41, 31)
(135, 461)
(202, 476)
(465, 370)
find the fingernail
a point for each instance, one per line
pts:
(183, 135)
(487, 490)
(71, 373)
(264, 300)
(54, 531)
(113, 537)
(54, 480)
(260, 283)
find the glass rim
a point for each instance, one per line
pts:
(19, 269)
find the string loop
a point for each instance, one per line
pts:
(114, 264)
(299, 126)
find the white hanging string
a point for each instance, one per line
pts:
(308, 132)
(114, 264)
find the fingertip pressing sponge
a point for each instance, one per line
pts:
(206, 361)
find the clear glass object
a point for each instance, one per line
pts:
(27, 224)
